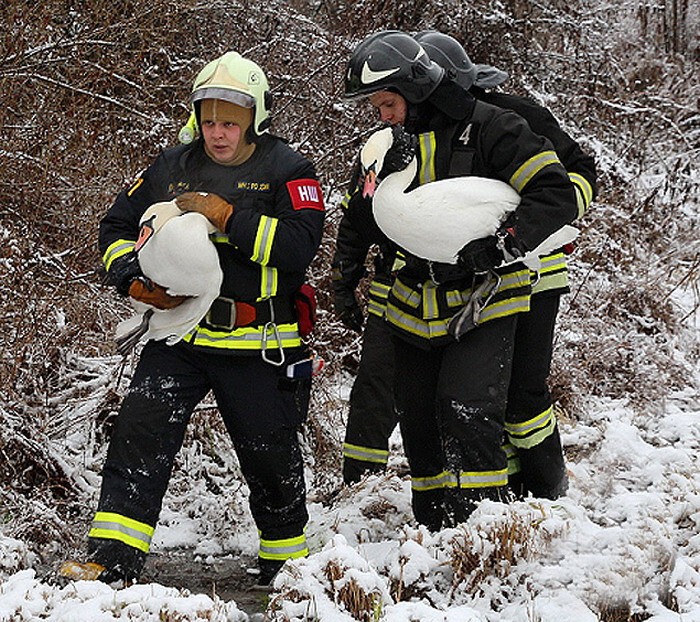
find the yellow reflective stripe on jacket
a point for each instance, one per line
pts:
(365, 454)
(431, 310)
(245, 338)
(378, 290)
(422, 315)
(346, 200)
(378, 293)
(427, 144)
(117, 249)
(265, 235)
(553, 274)
(531, 167)
(584, 192)
(504, 308)
(287, 548)
(268, 282)
(113, 526)
(414, 326)
(532, 432)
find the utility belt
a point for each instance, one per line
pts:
(228, 314)
(438, 273)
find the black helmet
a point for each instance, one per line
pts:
(391, 60)
(447, 52)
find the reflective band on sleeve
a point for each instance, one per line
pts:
(289, 548)
(427, 145)
(532, 432)
(113, 526)
(584, 192)
(117, 249)
(263, 240)
(529, 169)
(365, 454)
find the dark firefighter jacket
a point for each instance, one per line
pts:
(274, 233)
(353, 240)
(461, 136)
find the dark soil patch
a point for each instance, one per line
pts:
(226, 577)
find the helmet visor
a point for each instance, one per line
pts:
(245, 100)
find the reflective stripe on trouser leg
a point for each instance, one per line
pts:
(532, 432)
(416, 379)
(148, 433)
(286, 548)
(112, 526)
(262, 410)
(531, 424)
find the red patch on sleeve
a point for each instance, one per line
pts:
(306, 194)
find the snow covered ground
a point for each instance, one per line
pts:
(624, 544)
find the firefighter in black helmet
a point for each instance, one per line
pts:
(537, 465)
(451, 389)
(531, 425)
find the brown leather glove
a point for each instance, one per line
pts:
(212, 206)
(145, 290)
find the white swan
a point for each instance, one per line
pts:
(174, 251)
(436, 220)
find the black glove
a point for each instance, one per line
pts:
(480, 255)
(352, 317)
(401, 152)
(347, 309)
(485, 253)
(124, 271)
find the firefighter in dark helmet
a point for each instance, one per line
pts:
(533, 445)
(452, 378)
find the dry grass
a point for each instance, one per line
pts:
(494, 550)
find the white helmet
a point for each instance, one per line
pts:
(237, 80)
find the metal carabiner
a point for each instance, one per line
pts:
(271, 325)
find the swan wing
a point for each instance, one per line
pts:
(436, 220)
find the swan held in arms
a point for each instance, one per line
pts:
(436, 220)
(174, 251)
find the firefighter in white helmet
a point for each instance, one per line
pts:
(265, 201)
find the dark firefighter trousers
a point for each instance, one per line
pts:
(451, 402)
(261, 410)
(530, 421)
(372, 417)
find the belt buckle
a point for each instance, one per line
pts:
(217, 310)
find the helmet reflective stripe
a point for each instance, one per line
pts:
(237, 80)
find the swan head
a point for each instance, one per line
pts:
(154, 218)
(372, 157)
